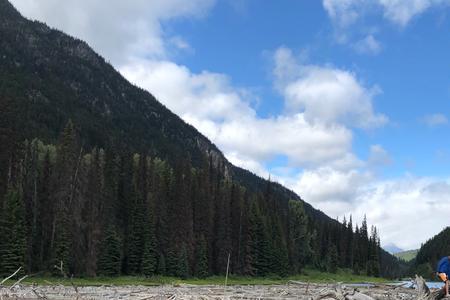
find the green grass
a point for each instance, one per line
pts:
(308, 276)
(407, 255)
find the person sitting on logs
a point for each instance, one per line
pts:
(443, 271)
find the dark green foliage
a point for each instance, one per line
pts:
(425, 270)
(12, 233)
(430, 253)
(136, 240)
(373, 263)
(260, 248)
(92, 235)
(201, 258)
(332, 259)
(150, 254)
(67, 168)
(61, 248)
(161, 269)
(183, 264)
(280, 261)
(172, 262)
(109, 261)
(299, 236)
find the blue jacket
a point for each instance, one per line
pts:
(443, 265)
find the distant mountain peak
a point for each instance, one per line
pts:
(393, 248)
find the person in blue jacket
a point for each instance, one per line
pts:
(443, 271)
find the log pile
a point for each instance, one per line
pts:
(292, 290)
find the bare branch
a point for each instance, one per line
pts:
(18, 282)
(11, 276)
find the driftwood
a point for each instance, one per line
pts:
(424, 293)
(10, 276)
(292, 290)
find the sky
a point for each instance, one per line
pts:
(344, 101)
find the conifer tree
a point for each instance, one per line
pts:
(350, 237)
(109, 261)
(46, 210)
(136, 240)
(201, 258)
(65, 185)
(161, 269)
(280, 262)
(13, 233)
(183, 264)
(332, 259)
(299, 238)
(263, 250)
(149, 256)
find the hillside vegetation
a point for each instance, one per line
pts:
(99, 178)
(431, 252)
(407, 256)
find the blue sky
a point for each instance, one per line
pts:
(411, 69)
(344, 101)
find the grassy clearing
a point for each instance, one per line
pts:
(407, 255)
(307, 276)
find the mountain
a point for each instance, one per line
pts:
(111, 181)
(431, 252)
(407, 255)
(62, 77)
(392, 248)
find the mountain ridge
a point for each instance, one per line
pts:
(70, 47)
(48, 78)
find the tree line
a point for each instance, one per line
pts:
(111, 211)
(425, 263)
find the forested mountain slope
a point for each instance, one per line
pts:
(97, 173)
(431, 252)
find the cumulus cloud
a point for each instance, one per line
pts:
(118, 29)
(327, 185)
(397, 207)
(325, 94)
(434, 120)
(210, 103)
(404, 206)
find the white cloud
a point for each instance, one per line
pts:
(407, 211)
(353, 19)
(343, 12)
(402, 11)
(368, 45)
(119, 30)
(325, 94)
(329, 185)
(346, 12)
(434, 120)
(221, 112)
